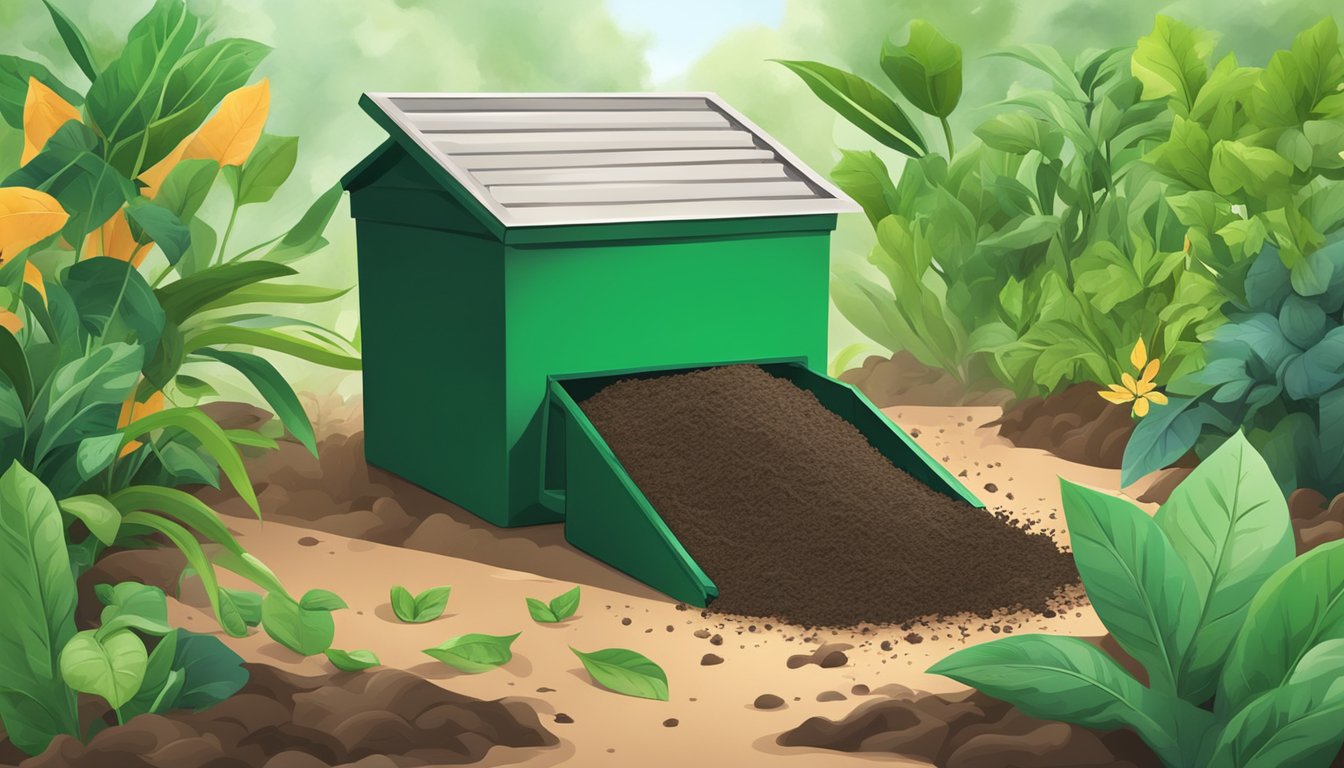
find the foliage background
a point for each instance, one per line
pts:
(325, 55)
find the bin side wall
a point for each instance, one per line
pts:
(431, 305)
(587, 308)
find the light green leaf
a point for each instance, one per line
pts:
(1186, 155)
(275, 341)
(427, 606)
(351, 661)
(864, 177)
(1172, 61)
(626, 672)
(211, 438)
(474, 653)
(274, 389)
(927, 69)
(112, 667)
(306, 632)
(132, 605)
(1294, 725)
(1142, 591)
(305, 237)
(861, 103)
(1236, 166)
(565, 604)
(540, 611)
(266, 169)
(1020, 133)
(321, 600)
(97, 513)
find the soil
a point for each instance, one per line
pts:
(282, 720)
(795, 515)
(903, 380)
(1074, 424)
(1315, 522)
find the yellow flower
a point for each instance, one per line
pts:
(1143, 392)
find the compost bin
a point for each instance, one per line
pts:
(517, 253)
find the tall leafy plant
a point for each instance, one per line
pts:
(1243, 645)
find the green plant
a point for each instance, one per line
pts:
(351, 661)
(304, 626)
(418, 609)
(474, 652)
(560, 608)
(1034, 256)
(1208, 597)
(626, 672)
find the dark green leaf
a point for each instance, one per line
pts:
(14, 367)
(38, 605)
(115, 302)
(1142, 591)
(70, 169)
(1295, 725)
(14, 75)
(74, 41)
(863, 104)
(625, 672)
(160, 225)
(84, 397)
(352, 661)
(275, 341)
(189, 671)
(274, 389)
(474, 652)
(211, 438)
(187, 296)
(96, 454)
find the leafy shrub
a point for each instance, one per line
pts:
(1258, 161)
(1208, 597)
(1034, 257)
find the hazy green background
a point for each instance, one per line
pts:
(327, 54)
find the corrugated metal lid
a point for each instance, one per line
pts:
(535, 160)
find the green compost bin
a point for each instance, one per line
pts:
(510, 242)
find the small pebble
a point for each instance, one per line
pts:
(992, 488)
(716, 640)
(702, 634)
(886, 645)
(544, 689)
(710, 659)
(914, 638)
(307, 541)
(859, 690)
(831, 696)
(625, 622)
(563, 719)
(671, 722)
(768, 701)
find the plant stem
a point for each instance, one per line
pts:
(228, 230)
(947, 135)
(120, 720)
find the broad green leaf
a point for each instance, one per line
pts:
(305, 237)
(1142, 591)
(131, 605)
(186, 297)
(1294, 725)
(211, 438)
(565, 604)
(247, 603)
(115, 302)
(540, 611)
(74, 41)
(426, 606)
(1237, 166)
(275, 341)
(403, 603)
(14, 75)
(321, 600)
(1047, 60)
(1020, 133)
(265, 170)
(274, 390)
(863, 104)
(1064, 678)
(112, 667)
(1026, 232)
(1186, 155)
(864, 177)
(153, 222)
(1323, 661)
(1300, 606)
(70, 169)
(188, 671)
(626, 672)
(351, 661)
(159, 683)
(96, 454)
(38, 604)
(97, 513)
(185, 188)
(202, 250)
(1172, 61)
(14, 367)
(84, 397)
(307, 632)
(1229, 523)
(474, 652)
(927, 69)
(1166, 434)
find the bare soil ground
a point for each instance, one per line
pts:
(736, 683)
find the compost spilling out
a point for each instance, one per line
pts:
(794, 515)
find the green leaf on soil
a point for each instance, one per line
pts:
(132, 605)
(475, 652)
(418, 609)
(351, 661)
(112, 667)
(305, 631)
(625, 672)
(560, 608)
(321, 600)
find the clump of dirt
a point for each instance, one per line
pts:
(903, 380)
(281, 720)
(1074, 424)
(1314, 521)
(794, 514)
(968, 730)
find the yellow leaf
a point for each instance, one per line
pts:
(1140, 407)
(44, 111)
(1130, 384)
(229, 136)
(1157, 398)
(10, 321)
(1140, 355)
(114, 239)
(33, 277)
(27, 216)
(1119, 398)
(132, 410)
(1150, 373)
(153, 176)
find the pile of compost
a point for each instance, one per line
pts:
(794, 515)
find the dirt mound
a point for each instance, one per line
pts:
(903, 380)
(794, 514)
(1075, 424)
(281, 720)
(1314, 521)
(968, 730)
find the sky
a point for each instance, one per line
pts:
(684, 30)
